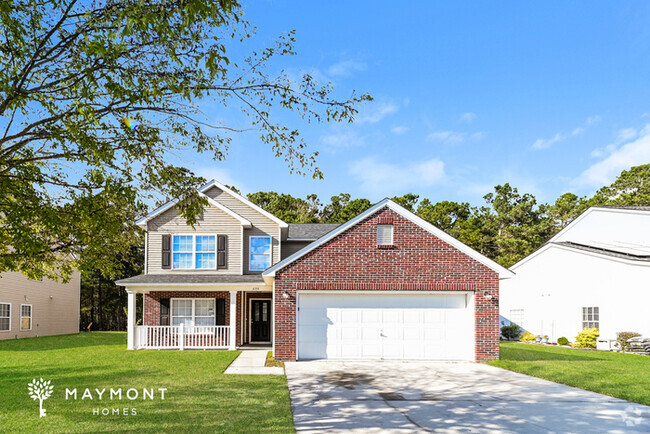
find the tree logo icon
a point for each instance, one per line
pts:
(40, 390)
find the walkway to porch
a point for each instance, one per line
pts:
(251, 362)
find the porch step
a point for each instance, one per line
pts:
(251, 362)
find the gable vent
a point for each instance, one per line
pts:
(385, 235)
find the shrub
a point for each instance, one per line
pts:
(511, 331)
(562, 341)
(527, 337)
(622, 338)
(587, 338)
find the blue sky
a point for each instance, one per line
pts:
(548, 96)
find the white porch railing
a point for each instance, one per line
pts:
(182, 337)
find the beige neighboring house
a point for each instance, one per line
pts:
(30, 308)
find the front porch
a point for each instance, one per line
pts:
(182, 320)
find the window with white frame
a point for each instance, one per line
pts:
(590, 317)
(259, 253)
(194, 252)
(25, 316)
(5, 317)
(193, 312)
(384, 235)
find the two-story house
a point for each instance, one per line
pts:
(386, 284)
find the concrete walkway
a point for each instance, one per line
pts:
(251, 362)
(407, 397)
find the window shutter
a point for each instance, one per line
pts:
(220, 312)
(222, 243)
(164, 311)
(167, 251)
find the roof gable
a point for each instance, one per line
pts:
(502, 271)
(214, 183)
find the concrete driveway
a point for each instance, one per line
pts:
(449, 397)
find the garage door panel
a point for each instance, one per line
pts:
(385, 326)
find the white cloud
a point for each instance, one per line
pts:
(346, 68)
(383, 179)
(375, 112)
(625, 135)
(559, 137)
(454, 136)
(447, 136)
(343, 139)
(468, 117)
(399, 130)
(593, 120)
(630, 154)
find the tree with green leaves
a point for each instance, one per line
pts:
(631, 188)
(97, 97)
(343, 208)
(287, 207)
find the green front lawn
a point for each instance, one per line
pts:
(625, 376)
(198, 397)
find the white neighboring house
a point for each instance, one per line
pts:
(593, 273)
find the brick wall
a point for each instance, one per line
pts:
(418, 261)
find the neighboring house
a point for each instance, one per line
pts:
(594, 273)
(385, 285)
(31, 308)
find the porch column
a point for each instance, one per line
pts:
(130, 321)
(233, 320)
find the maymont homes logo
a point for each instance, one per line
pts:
(40, 390)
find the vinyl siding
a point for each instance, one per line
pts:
(291, 247)
(57, 315)
(262, 225)
(214, 221)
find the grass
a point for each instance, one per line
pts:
(198, 398)
(625, 376)
(271, 362)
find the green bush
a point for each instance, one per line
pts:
(527, 337)
(622, 338)
(587, 338)
(562, 341)
(511, 331)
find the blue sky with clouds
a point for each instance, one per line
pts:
(548, 96)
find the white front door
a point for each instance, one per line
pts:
(399, 326)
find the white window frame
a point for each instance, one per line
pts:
(9, 329)
(194, 252)
(392, 235)
(270, 254)
(590, 317)
(31, 316)
(193, 316)
(515, 314)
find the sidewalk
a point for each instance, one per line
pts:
(251, 362)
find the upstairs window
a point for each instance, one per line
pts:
(259, 253)
(590, 317)
(194, 252)
(384, 235)
(5, 317)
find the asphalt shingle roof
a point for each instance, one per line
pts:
(310, 231)
(186, 278)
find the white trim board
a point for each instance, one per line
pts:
(244, 222)
(503, 272)
(220, 186)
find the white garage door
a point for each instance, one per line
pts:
(402, 326)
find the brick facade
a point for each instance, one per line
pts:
(417, 261)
